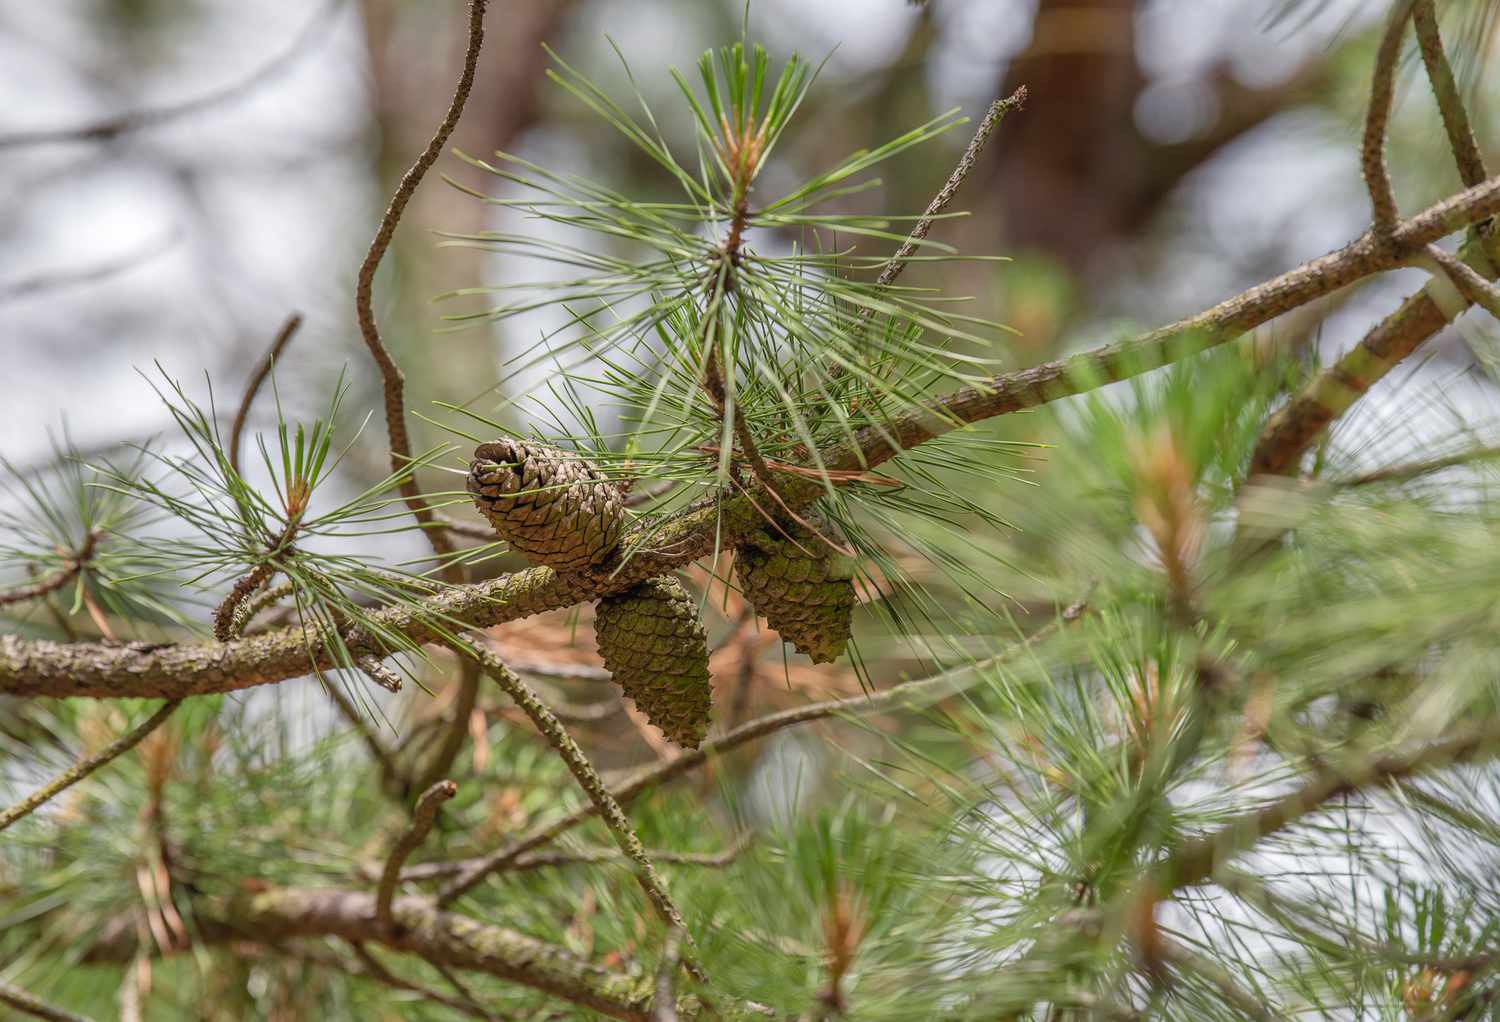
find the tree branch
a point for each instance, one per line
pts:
(374, 970)
(421, 824)
(41, 668)
(86, 766)
(1293, 428)
(390, 373)
(593, 786)
(1199, 859)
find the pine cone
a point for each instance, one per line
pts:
(801, 586)
(654, 644)
(550, 504)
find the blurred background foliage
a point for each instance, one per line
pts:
(1171, 152)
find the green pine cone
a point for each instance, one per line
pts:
(654, 644)
(800, 586)
(552, 505)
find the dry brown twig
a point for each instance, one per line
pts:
(257, 377)
(390, 372)
(1293, 428)
(422, 819)
(1377, 118)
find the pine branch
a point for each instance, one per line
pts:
(257, 377)
(1293, 428)
(411, 839)
(390, 373)
(593, 786)
(86, 766)
(25, 1003)
(585, 857)
(41, 668)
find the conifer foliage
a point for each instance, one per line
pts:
(1174, 701)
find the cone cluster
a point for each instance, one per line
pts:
(801, 587)
(654, 644)
(550, 504)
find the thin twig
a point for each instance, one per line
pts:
(1372, 151)
(72, 567)
(1466, 152)
(592, 784)
(20, 1000)
(390, 372)
(421, 823)
(992, 118)
(120, 124)
(664, 1003)
(896, 264)
(584, 857)
(87, 765)
(906, 695)
(257, 377)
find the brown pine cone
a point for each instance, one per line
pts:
(552, 505)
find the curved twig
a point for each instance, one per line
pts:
(1372, 150)
(1466, 152)
(257, 377)
(411, 839)
(394, 380)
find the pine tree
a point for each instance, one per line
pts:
(1166, 701)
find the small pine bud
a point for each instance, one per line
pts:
(552, 505)
(800, 586)
(654, 644)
